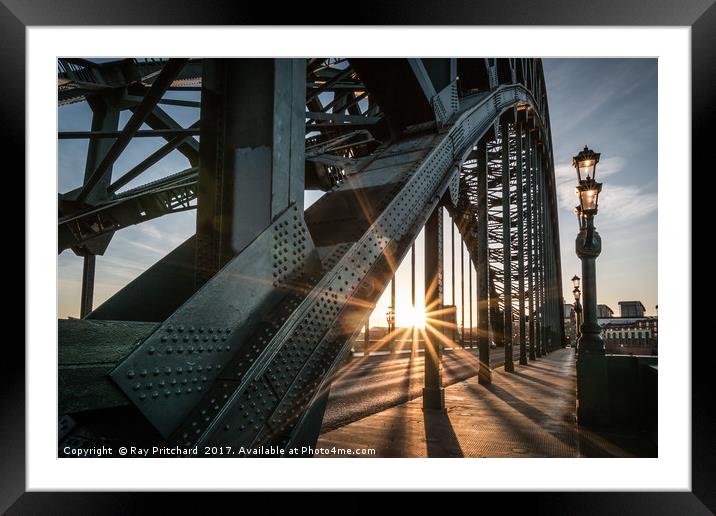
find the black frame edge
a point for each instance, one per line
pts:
(701, 14)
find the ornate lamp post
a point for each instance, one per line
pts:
(588, 246)
(592, 395)
(577, 309)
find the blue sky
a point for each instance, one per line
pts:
(611, 106)
(608, 104)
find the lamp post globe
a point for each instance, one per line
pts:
(586, 164)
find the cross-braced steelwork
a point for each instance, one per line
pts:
(235, 336)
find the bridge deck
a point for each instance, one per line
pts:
(529, 413)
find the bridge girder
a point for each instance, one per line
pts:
(263, 360)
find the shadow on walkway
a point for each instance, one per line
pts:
(440, 436)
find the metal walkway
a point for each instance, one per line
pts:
(528, 413)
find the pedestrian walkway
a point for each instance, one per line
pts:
(528, 413)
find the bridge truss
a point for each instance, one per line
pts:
(233, 338)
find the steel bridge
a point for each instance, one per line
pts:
(235, 336)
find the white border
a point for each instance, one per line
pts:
(671, 471)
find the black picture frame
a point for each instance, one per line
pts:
(17, 15)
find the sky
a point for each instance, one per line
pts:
(608, 104)
(611, 106)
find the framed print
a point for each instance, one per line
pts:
(421, 251)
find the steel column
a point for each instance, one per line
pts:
(469, 289)
(521, 243)
(541, 253)
(530, 259)
(484, 374)
(462, 292)
(506, 245)
(413, 343)
(88, 266)
(452, 272)
(391, 324)
(252, 153)
(433, 393)
(366, 338)
(536, 227)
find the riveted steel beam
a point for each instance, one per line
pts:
(252, 153)
(433, 391)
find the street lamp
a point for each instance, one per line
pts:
(577, 309)
(592, 389)
(586, 164)
(588, 247)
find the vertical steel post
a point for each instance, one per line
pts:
(521, 243)
(252, 165)
(506, 244)
(469, 289)
(537, 254)
(541, 248)
(530, 260)
(366, 338)
(413, 343)
(484, 374)
(105, 117)
(545, 250)
(462, 292)
(453, 331)
(87, 284)
(391, 325)
(433, 393)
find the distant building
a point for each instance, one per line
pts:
(568, 311)
(631, 336)
(631, 309)
(604, 312)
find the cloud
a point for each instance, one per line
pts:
(617, 203)
(566, 179)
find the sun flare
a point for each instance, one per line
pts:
(414, 317)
